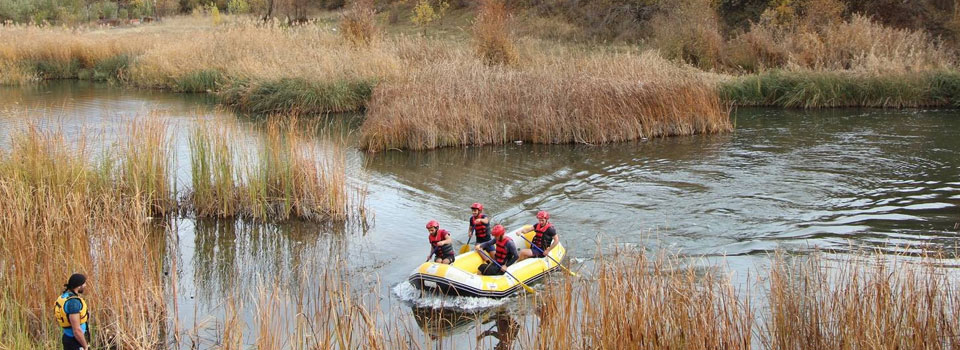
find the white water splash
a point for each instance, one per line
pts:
(408, 293)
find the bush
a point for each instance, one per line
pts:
(492, 35)
(358, 24)
(689, 30)
(236, 7)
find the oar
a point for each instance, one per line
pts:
(545, 254)
(526, 287)
(466, 247)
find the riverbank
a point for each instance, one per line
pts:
(411, 85)
(480, 82)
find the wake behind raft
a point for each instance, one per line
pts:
(461, 278)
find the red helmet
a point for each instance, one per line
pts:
(497, 231)
(543, 214)
(477, 206)
(433, 223)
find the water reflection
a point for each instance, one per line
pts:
(229, 254)
(497, 325)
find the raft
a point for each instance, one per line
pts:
(461, 278)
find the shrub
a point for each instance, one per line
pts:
(491, 34)
(424, 14)
(689, 30)
(236, 7)
(358, 24)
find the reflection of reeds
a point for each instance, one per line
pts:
(62, 213)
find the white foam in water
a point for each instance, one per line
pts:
(406, 292)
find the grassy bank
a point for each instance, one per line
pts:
(486, 75)
(819, 89)
(430, 82)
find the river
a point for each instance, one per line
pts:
(795, 180)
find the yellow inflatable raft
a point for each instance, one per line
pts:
(461, 278)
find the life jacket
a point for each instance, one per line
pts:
(61, 314)
(482, 230)
(442, 251)
(501, 254)
(540, 240)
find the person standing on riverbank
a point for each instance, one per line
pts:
(441, 242)
(503, 250)
(72, 312)
(545, 239)
(479, 224)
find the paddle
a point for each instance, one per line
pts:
(431, 255)
(545, 254)
(525, 287)
(466, 247)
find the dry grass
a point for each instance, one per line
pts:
(858, 44)
(867, 302)
(146, 168)
(62, 214)
(290, 173)
(247, 52)
(269, 69)
(358, 24)
(213, 170)
(670, 305)
(690, 31)
(491, 33)
(592, 99)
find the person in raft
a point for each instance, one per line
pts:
(545, 239)
(71, 313)
(479, 224)
(501, 249)
(441, 242)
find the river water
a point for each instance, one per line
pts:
(795, 180)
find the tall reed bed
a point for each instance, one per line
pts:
(863, 302)
(459, 103)
(289, 173)
(63, 212)
(652, 303)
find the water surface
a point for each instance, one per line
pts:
(785, 179)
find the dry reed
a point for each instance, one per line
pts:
(358, 23)
(586, 100)
(63, 214)
(290, 173)
(635, 302)
(863, 302)
(491, 33)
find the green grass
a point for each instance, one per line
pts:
(844, 89)
(201, 81)
(109, 69)
(112, 68)
(55, 69)
(299, 96)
